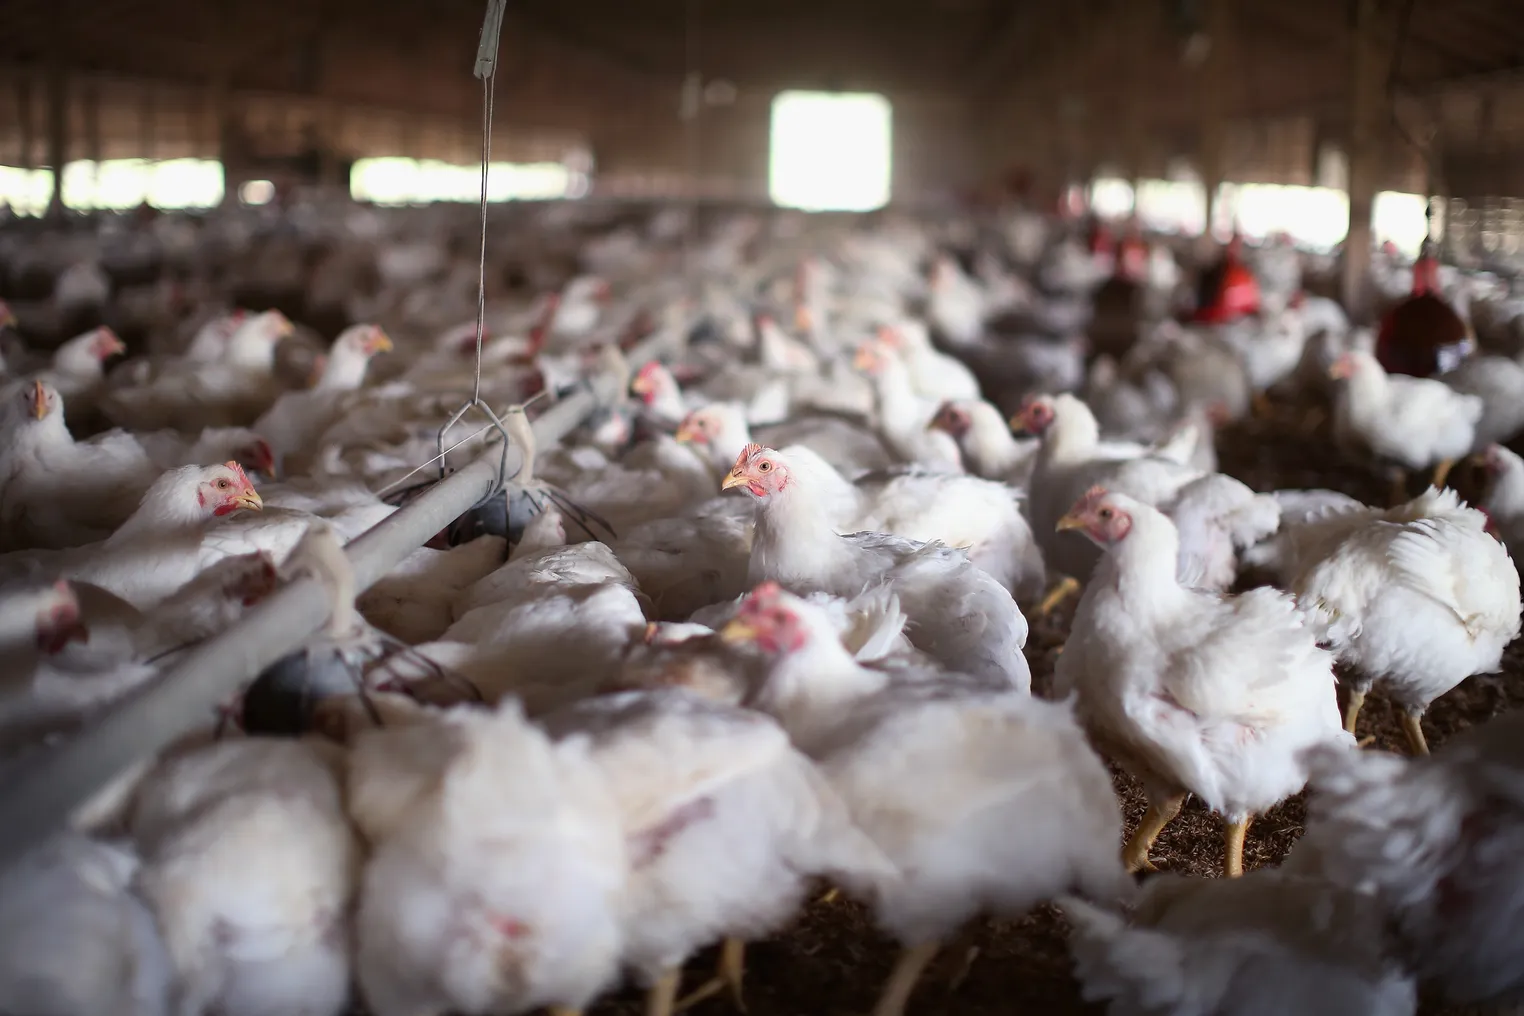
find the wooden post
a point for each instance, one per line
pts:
(1365, 84)
(58, 134)
(1212, 99)
(27, 123)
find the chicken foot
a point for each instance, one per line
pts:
(1159, 815)
(1065, 588)
(902, 982)
(729, 973)
(1412, 727)
(661, 995)
(1352, 705)
(1233, 839)
(1442, 472)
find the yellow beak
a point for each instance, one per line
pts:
(864, 360)
(738, 630)
(1017, 424)
(1070, 521)
(251, 500)
(733, 479)
(687, 433)
(39, 401)
(380, 343)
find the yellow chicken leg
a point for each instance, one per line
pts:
(662, 994)
(907, 971)
(1414, 729)
(830, 895)
(1058, 594)
(1135, 854)
(1233, 837)
(1352, 706)
(729, 973)
(1442, 472)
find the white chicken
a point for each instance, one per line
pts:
(1410, 421)
(903, 415)
(1190, 691)
(162, 545)
(275, 938)
(1071, 460)
(1416, 598)
(296, 419)
(1436, 842)
(988, 447)
(942, 772)
(75, 938)
(720, 431)
(1265, 943)
(497, 873)
(59, 492)
(1504, 499)
(959, 614)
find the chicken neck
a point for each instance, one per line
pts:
(795, 544)
(993, 449)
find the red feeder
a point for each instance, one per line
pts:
(1228, 290)
(1422, 335)
(1132, 256)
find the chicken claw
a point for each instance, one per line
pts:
(1414, 729)
(730, 973)
(1065, 588)
(907, 971)
(1159, 815)
(1233, 836)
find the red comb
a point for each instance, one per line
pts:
(747, 453)
(1089, 499)
(236, 468)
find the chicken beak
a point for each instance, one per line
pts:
(738, 630)
(640, 385)
(1070, 521)
(381, 343)
(39, 400)
(863, 360)
(687, 433)
(1018, 424)
(250, 500)
(734, 479)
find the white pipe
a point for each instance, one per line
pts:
(42, 789)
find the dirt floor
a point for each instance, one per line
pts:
(833, 961)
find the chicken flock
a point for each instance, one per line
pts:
(755, 631)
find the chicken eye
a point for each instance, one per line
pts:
(222, 485)
(764, 466)
(1105, 514)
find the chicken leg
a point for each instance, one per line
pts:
(1352, 705)
(907, 971)
(661, 995)
(1263, 409)
(1159, 815)
(1442, 472)
(1414, 729)
(730, 973)
(1065, 588)
(1233, 837)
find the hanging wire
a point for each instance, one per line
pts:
(486, 70)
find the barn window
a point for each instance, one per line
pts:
(400, 181)
(830, 151)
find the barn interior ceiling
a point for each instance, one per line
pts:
(1077, 84)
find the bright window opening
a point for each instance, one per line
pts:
(1172, 206)
(1111, 197)
(25, 191)
(1399, 217)
(127, 183)
(256, 192)
(830, 151)
(398, 181)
